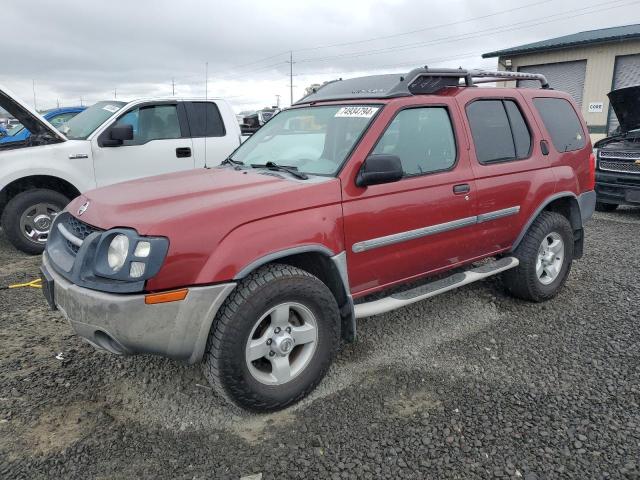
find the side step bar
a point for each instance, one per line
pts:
(402, 299)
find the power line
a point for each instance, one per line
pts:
(476, 34)
(420, 30)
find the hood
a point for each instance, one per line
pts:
(626, 104)
(176, 203)
(28, 117)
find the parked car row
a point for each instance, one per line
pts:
(43, 168)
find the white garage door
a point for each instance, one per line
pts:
(565, 76)
(626, 74)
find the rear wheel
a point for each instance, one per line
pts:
(273, 339)
(545, 256)
(606, 207)
(28, 216)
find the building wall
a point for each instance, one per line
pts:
(598, 78)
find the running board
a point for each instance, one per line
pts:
(402, 299)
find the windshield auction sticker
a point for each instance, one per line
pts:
(111, 108)
(356, 112)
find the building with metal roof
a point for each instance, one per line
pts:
(586, 64)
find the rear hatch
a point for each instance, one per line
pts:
(42, 132)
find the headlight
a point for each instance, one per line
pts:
(121, 254)
(118, 251)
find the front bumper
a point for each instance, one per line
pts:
(618, 188)
(125, 324)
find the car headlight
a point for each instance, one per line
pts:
(122, 254)
(117, 252)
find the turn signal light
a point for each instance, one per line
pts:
(166, 297)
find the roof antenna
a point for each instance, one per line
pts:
(206, 110)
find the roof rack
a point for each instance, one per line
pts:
(419, 81)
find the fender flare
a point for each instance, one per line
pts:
(539, 210)
(339, 261)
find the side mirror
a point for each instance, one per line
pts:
(380, 169)
(121, 132)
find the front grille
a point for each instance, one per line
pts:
(78, 229)
(620, 155)
(619, 166)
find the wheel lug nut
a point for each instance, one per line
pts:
(288, 329)
(269, 341)
(277, 330)
(272, 353)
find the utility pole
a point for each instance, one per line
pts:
(291, 62)
(278, 101)
(58, 102)
(115, 93)
(81, 102)
(35, 105)
(173, 87)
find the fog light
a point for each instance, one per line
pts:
(136, 270)
(142, 249)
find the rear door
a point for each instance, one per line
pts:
(512, 173)
(161, 144)
(401, 230)
(212, 142)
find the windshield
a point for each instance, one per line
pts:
(85, 123)
(14, 130)
(315, 140)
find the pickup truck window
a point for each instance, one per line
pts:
(561, 122)
(499, 131)
(422, 138)
(156, 122)
(85, 123)
(205, 119)
(316, 140)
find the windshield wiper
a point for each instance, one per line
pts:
(231, 161)
(283, 168)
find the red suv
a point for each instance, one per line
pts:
(260, 267)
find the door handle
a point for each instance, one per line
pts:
(461, 189)
(183, 152)
(544, 147)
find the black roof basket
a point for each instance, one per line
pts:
(419, 81)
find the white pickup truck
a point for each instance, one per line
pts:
(110, 142)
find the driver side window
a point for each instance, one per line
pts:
(422, 138)
(155, 122)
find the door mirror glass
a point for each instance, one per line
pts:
(380, 169)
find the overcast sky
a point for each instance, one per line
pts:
(86, 49)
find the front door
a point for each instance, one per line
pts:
(160, 144)
(398, 231)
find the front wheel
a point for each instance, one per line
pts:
(28, 216)
(545, 256)
(273, 339)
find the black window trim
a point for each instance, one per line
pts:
(453, 129)
(182, 121)
(526, 122)
(188, 117)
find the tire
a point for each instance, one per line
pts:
(27, 218)
(525, 281)
(256, 384)
(606, 207)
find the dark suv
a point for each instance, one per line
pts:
(618, 173)
(260, 267)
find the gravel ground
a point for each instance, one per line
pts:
(470, 384)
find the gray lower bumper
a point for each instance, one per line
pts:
(124, 324)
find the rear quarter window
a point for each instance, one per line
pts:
(562, 123)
